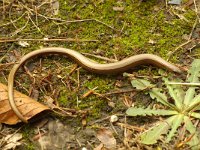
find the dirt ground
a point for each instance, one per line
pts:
(91, 108)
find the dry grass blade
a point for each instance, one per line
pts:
(47, 40)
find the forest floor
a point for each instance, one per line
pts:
(105, 31)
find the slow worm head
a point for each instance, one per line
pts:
(110, 68)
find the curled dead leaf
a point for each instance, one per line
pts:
(28, 106)
(107, 138)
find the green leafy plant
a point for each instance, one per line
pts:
(182, 111)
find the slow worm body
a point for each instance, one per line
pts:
(111, 68)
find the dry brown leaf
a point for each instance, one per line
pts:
(28, 106)
(107, 138)
(99, 147)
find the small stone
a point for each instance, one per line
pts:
(113, 118)
(118, 8)
(152, 42)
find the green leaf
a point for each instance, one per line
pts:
(195, 102)
(176, 92)
(195, 115)
(194, 71)
(193, 74)
(194, 142)
(189, 96)
(175, 124)
(141, 84)
(156, 94)
(151, 136)
(149, 112)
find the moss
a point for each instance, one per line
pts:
(27, 132)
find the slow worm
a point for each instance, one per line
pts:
(110, 68)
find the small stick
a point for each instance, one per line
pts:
(91, 91)
(84, 20)
(177, 48)
(19, 84)
(119, 92)
(78, 78)
(6, 64)
(125, 125)
(179, 83)
(73, 69)
(47, 40)
(73, 21)
(35, 25)
(101, 95)
(193, 27)
(101, 57)
(19, 30)
(196, 11)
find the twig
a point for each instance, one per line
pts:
(193, 27)
(99, 120)
(78, 78)
(10, 16)
(179, 16)
(4, 10)
(188, 3)
(3, 142)
(84, 20)
(177, 48)
(20, 29)
(179, 83)
(35, 25)
(91, 91)
(196, 10)
(119, 92)
(101, 95)
(19, 84)
(6, 24)
(3, 75)
(100, 57)
(6, 64)
(125, 125)
(73, 21)
(73, 69)
(47, 40)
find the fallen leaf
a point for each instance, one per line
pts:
(12, 141)
(99, 147)
(175, 2)
(107, 138)
(55, 6)
(28, 106)
(13, 138)
(23, 43)
(11, 146)
(57, 136)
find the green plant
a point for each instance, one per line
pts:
(183, 110)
